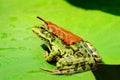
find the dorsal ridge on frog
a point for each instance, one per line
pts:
(71, 53)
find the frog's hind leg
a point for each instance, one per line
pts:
(60, 72)
(67, 66)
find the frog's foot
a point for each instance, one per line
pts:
(60, 72)
(47, 58)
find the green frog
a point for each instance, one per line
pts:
(70, 52)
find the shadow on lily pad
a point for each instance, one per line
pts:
(107, 72)
(109, 6)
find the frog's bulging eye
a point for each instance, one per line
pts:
(42, 27)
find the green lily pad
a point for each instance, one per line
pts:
(21, 54)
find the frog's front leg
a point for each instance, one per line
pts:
(53, 55)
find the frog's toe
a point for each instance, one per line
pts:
(45, 54)
(60, 72)
(51, 71)
(47, 58)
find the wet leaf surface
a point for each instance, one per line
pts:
(21, 54)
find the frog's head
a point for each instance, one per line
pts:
(43, 32)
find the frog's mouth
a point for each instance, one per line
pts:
(38, 30)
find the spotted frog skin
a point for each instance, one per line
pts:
(71, 53)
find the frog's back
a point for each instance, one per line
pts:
(68, 37)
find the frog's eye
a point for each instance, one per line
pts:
(42, 27)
